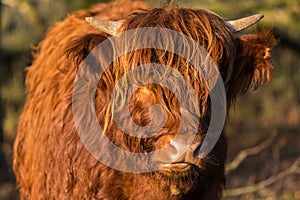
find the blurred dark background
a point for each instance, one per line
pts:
(256, 118)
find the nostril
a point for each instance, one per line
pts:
(172, 149)
(196, 152)
(195, 149)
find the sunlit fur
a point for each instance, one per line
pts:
(50, 161)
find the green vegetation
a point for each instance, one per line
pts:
(273, 108)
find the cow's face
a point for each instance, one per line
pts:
(243, 62)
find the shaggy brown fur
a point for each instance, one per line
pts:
(49, 159)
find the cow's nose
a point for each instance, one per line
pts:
(178, 150)
(185, 152)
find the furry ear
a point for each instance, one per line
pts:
(253, 66)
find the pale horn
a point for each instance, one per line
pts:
(111, 27)
(106, 26)
(243, 23)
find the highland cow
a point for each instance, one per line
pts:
(50, 160)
